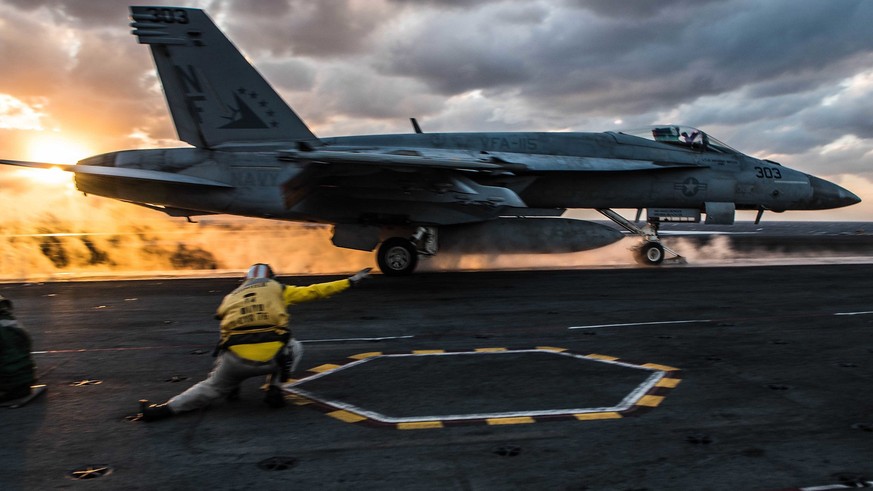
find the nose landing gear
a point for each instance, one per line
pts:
(650, 253)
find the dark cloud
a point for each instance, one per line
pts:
(455, 68)
(30, 66)
(304, 28)
(461, 4)
(719, 52)
(345, 91)
(89, 13)
(638, 8)
(457, 52)
(587, 61)
(291, 75)
(107, 66)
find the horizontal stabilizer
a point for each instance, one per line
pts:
(125, 173)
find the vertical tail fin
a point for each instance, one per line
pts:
(215, 95)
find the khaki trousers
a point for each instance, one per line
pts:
(226, 375)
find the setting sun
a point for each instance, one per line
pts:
(53, 149)
(56, 149)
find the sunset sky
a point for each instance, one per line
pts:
(788, 80)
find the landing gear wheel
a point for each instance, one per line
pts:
(650, 254)
(397, 257)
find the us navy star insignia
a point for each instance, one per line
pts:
(690, 186)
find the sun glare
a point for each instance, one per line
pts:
(52, 177)
(53, 149)
(56, 149)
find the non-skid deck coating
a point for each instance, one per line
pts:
(776, 389)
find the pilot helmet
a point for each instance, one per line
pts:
(260, 270)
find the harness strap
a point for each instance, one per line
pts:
(253, 335)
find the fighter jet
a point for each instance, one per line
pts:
(412, 195)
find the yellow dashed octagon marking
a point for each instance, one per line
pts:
(420, 425)
(596, 416)
(652, 396)
(650, 401)
(551, 348)
(347, 416)
(655, 366)
(364, 356)
(324, 368)
(669, 383)
(510, 421)
(601, 357)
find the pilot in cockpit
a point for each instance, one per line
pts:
(689, 139)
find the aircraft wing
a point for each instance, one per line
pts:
(410, 159)
(125, 173)
(564, 163)
(486, 161)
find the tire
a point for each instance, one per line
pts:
(650, 254)
(397, 257)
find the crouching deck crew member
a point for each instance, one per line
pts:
(255, 340)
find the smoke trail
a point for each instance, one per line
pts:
(61, 233)
(52, 231)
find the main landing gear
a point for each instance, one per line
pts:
(398, 256)
(651, 252)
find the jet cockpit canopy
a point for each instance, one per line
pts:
(685, 136)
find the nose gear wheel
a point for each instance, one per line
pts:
(650, 254)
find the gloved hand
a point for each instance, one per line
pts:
(360, 275)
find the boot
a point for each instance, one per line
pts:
(275, 397)
(154, 412)
(15, 393)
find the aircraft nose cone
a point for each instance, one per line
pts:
(826, 195)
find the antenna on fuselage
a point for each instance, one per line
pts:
(415, 125)
(760, 214)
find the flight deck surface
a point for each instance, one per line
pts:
(769, 372)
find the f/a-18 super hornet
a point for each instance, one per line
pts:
(413, 194)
